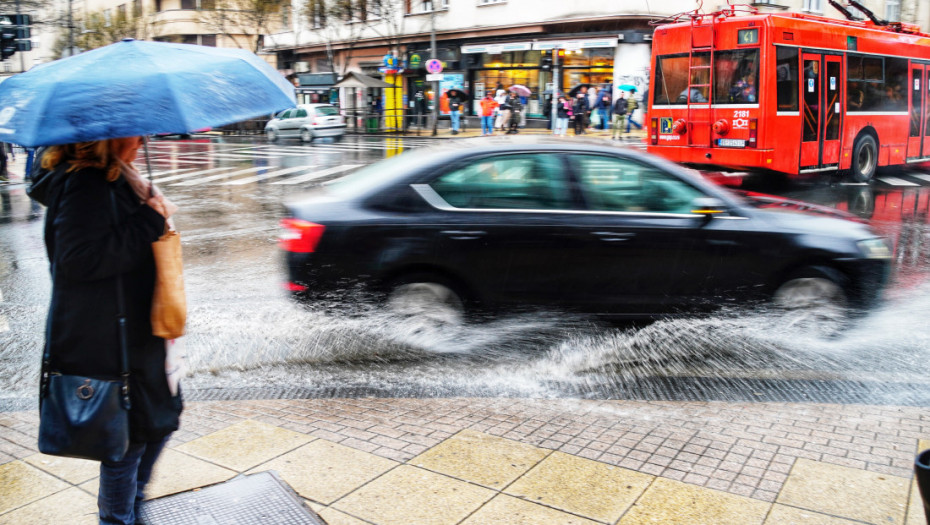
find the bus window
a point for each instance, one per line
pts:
(876, 83)
(786, 78)
(736, 76)
(671, 83)
(915, 102)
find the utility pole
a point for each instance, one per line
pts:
(555, 86)
(70, 27)
(22, 59)
(433, 55)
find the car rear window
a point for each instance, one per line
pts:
(325, 111)
(530, 181)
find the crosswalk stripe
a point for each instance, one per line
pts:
(166, 172)
(267, 175)
(894, 181)
(212, 178)
(318, 174)
(191, 174)
(922, 176)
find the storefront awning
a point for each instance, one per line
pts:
(359, 80)
(498, 48)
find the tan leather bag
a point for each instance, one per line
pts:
(169, 305)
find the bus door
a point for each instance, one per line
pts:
(822, 110)
(917, 147)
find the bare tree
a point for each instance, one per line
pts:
(247, 20)
(337, 24)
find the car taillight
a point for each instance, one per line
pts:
(300, 236)
(654, 130)
(753, 131)
(313, 121)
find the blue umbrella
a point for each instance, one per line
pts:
(626, 87)
(134, 88)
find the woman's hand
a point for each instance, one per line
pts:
(162, 205)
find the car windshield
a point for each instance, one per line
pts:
(367, 177)
(326, 111)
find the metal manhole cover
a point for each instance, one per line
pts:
(256, 499)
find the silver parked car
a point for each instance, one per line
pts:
(307, 121)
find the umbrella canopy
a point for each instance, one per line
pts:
(460, 93)
(134, 88)
(627, 87)
(521, 90)
(574, 91)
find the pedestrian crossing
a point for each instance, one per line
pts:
(186, 165)
(904, 180)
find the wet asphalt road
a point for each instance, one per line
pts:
(246, 339)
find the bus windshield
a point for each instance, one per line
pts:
(736, 78)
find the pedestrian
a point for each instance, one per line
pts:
(579, 113)
(603, 110)
(488, 107)
(100, 225)
(503, 115)
(516, 110)
(631, 106)
(455, 109)
(4, 174)
(619, 113)
(563, 114)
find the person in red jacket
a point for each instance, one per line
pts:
(488, 105)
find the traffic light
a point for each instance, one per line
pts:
(547, 60)
(7, 41)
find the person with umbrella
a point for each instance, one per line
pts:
(103, 217)
(456, 99)
(619, 112)
(516, 109)
(580, 112)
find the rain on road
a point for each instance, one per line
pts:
(245, 338)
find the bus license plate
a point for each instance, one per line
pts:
(731, 143)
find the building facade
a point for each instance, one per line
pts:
(485, 44)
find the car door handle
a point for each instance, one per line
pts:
(614, 236)
(464, 235)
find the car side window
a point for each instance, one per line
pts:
(301, 113)
(528, 182)
(285, 114)
(617, 184)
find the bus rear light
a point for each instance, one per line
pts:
(654, 130)
(294, 287)
(753, 131)
(300, 236)
(721, 127)
(680, 126)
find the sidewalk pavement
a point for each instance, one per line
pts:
(518, 461)
(636, 136)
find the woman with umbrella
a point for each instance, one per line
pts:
(102, 219)
(99, 228)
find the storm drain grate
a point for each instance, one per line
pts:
(256, 499)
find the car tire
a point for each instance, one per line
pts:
(813, 300)
(864, 160)
(271, 135)
(306, 135)
(426, 298)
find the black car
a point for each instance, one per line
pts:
(581, 225)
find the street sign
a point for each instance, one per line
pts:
(433, 66)
(436, 77)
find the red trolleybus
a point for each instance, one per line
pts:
(790, 93)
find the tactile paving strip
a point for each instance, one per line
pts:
(256, 499)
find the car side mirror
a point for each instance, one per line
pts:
(708, 207)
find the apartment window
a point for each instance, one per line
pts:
(813, 6)
(200, 5)
(7, 66)
(136, 8)
(107, 17)
(425, 6)
(490, 2)
(893, 10)
(121, 11)
(199, 40)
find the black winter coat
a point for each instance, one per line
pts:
(87, 249)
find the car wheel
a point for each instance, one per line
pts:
(813, 300)
(306, 135)
(426, 298)
(865, 159)
(271, 135)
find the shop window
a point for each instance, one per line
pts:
(786, 78)
(736, 77)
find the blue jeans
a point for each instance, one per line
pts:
(561, 126)
(122, 483)
(487, 125)
(629, 121)
(455, 116)
(605, 118)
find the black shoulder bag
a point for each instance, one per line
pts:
(83, 417)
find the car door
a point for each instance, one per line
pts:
(638, 248)
(496, 221)
(297, 119)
